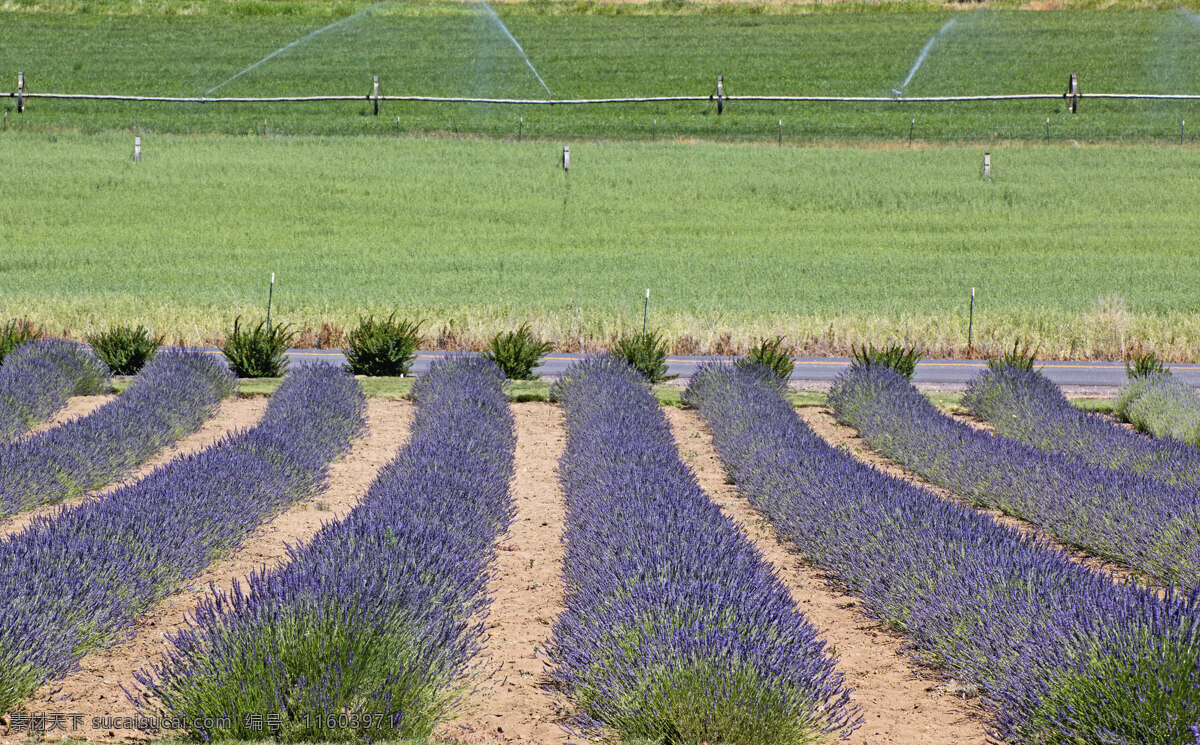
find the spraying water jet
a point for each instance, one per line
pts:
(296, 43)
(499, 23)
(924, 53)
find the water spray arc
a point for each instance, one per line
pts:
(500, 24)
(296, 43)
(924, 53)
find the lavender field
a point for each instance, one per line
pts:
(333, 567)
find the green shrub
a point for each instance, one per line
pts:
(1144, 365)
(646, 352)
(125, 349)
(516, 353)
(771, 354)
(901, 359)
(1020, 357)
(379, 348)
(258, 353)
(15, 333)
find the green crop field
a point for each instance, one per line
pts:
(585, 50)
(1086, 250)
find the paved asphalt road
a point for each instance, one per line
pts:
(826, 368)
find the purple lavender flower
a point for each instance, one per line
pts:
(675, 628)
(1139, 521)
(71, 583)
(375, 622)
(171, 397)
(37, 379)
(1024, 405)
(1161, 405)
(1061, 654)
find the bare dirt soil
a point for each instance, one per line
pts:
(95, 689)
(77, 406)
(527, 589)
(233, 414)
(824, 424)
(901, 701)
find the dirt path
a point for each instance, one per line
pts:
(527, 590)
(901, 701)
(839, 435)
(95, 690)
(77, 406)
(233, 414)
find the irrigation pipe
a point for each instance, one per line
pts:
(587, 101)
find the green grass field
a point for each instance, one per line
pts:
(1086, 250)
(584, 50)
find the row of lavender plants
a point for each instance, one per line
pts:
(1139, 521)
(72, 583)
(1162, 406)
(169, 399)
(675, 628)
(1025, 405)
(1059, 653)
(37, 379)
(369, 630)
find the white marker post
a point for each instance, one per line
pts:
(720, 94)
(646, 312)
(375, 95)
(20, 92)
(270, 297)
(137, 149)
(987, 166)
(566, 157)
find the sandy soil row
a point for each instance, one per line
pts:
(77, 406)
(95, 689)
(527, 589)
(233, 414)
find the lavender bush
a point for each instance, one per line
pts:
(37, 379)
(375, 622)
(675, 629)
(171, 398)
(1059, 653)
(1162, 406)
(1026, 406)
(1139, 521)
(72, 583)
